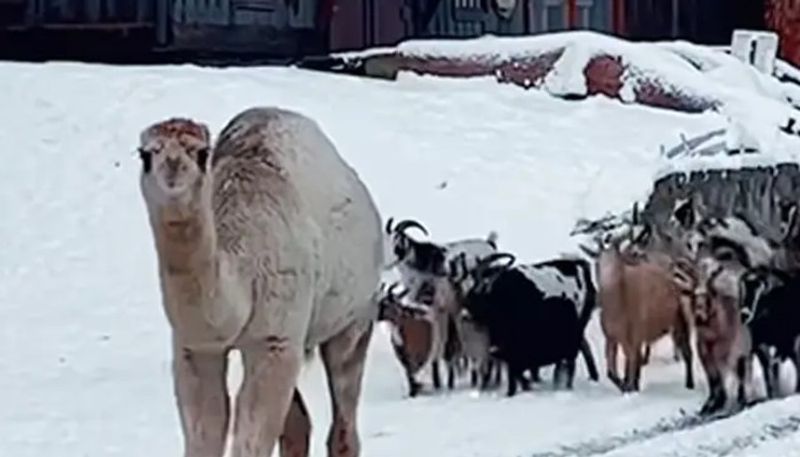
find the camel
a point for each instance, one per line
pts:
(270, 244)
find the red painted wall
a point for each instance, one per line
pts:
(783, 16)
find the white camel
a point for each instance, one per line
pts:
(269, 244)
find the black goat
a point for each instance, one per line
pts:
(535, 314)
(770, 309)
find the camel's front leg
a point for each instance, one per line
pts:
(296, 437)
(271, 368)
(344, 356)
(202, 397)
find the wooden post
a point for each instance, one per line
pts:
(618, 17)
(572, 13)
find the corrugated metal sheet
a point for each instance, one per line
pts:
(471, 18)
(553, 15)
(278, 14)
(92, 11)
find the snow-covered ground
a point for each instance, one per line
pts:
(85, 360)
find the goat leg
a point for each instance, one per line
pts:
(677, 350)
(776, 371)
(558, 373)
(514, 375)
(743, 370)
(632, 353)
(796, 360)
(535, 377)
(611, 364)
(764, 359)
(646, 356)
(682, 340)
(588, 358)
(524, 382)
(451, 381)
(716, 390)
(435, 377)
(570, 372)
(413, 384)
(498, 373)
(716, 396)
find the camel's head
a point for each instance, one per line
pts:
(174, 155)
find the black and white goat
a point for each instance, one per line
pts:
(422, 267)
(769, 308)
(421, 263)
(536, 314)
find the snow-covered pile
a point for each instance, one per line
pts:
(575, 64)
(682, 68)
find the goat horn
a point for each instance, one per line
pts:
(388, 227)
(458, 261)
(589, 252)
(489, 259)
(392, 288)
(404, 225)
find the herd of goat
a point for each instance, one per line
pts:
(468, 305)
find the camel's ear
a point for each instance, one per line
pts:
(206, 133)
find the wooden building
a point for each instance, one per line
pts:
(296, 28)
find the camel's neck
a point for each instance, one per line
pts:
(186, 240)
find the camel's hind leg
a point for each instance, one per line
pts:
(344, 357)
(294, 441)
(271, 369)
(202, 397)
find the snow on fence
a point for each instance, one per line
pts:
(728, 170)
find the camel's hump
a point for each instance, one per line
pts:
(244, 133)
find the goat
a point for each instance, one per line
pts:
(422, 262)
(724, 344)
(535, 315)
(422, 266)
(770, 310)
(477, 350)
(569, 276)
(639, 304)
(413, 333)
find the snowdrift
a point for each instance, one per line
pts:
(577, 64)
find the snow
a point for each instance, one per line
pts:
(86, 362)
(699, 72)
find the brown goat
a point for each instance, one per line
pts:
(639, 304)
(413, 334)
